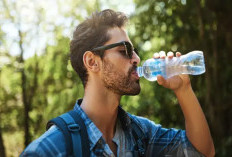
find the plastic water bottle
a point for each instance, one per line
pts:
(191, 63)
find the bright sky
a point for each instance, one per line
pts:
(39, 34)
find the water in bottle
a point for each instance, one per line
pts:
(191, 63)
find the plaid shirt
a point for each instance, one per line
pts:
(161, 141)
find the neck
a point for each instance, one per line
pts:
(101, 106)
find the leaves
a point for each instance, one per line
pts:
(52, 86)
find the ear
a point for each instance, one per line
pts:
(91, 61)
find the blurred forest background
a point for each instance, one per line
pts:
(37, 82)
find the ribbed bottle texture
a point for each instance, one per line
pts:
(191, 63)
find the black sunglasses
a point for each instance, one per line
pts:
(129, 49)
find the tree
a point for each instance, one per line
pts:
(47, 68)
(184, 26)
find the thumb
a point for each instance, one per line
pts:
(160, 79)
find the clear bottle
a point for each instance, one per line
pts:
(191, 63)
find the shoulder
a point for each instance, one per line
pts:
(147, 125)
(154, 130)
(49, 144)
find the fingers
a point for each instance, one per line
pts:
(162, 54)
(161, 81)
(178, 54)
(156, 55)
(170, 55)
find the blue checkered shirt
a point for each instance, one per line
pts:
(161, 141)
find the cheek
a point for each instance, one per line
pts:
(118, 64)
(123, 69)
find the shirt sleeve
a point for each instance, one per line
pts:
(167, 142)
(48, 145)
(171, 142)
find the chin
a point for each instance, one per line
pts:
(133, 94)
(134, 91)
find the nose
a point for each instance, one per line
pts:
(135, 60)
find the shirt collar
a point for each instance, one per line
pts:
(94, 133)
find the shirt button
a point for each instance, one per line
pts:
(100, 141)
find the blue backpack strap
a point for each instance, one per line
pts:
(84, 134)
(61, 124)
(73, 129)
(140, 137)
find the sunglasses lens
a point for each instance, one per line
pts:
(136, 51)
(129, 49)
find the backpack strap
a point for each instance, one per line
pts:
(84, 134)
(73, 128)
(61, 124)
(140, 137)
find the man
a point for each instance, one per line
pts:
(104, 58)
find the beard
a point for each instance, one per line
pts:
(118, 82)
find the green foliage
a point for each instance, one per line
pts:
(52, 86)
(179, 25)
(58, 85)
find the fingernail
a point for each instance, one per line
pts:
(156, 55)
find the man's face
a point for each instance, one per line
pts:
(118, 71)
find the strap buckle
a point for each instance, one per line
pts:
(74, 127)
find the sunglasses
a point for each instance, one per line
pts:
(128, 52)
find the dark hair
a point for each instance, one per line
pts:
(92, 33)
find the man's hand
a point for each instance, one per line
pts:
(176, 83)
(197, 129)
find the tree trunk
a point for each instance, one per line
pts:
(24, 94)
(26, 110)
(2, 148)
(211, 70)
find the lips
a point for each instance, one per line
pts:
(135, 74)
